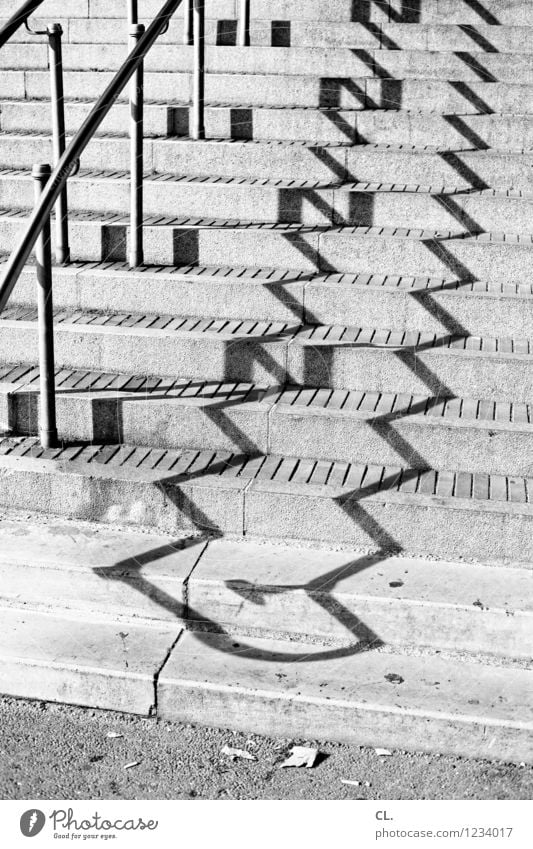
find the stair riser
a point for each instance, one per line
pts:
(336, 34)
(456, 132)
(440, 38)
(439, 371)
(446, 168)
(263, 90)
(304, 251)
(80, 9)
(251, 712)
(156, 422)
(324, 61)
(291, 205)
(179, 156)
(287, 161)
(481, 531)
(333, 126)
(480, 447)
(224, 298)
(505, 12)
(401, 442)
(260, 90)
(313, 302)
(430, 311)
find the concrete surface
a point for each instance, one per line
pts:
(55, 752)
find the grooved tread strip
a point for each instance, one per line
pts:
(363, 479)
(285, 275)
(277, 183)
(417, 234)
(265, 330)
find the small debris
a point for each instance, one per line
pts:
(237, 753)
(132, 764)
(301, 756)
(113, 735)
(392, 678)
(383, 753)
(351, 783)
(395, 584)
(480, 604)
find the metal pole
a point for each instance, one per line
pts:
(133, 13)
(55, 32)
(136, 168)
(243, 29)
(45, 311)
(198, 119)
(187, 22)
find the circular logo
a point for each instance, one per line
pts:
(32, 822)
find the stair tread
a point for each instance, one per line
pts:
(303, 400)
(271, 275)
(360, 231)
(229, 183)
(222, 468)
(327, 335)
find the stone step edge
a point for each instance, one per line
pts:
(112, 220)
(220, 183)
(221, 330)
(226, 470)
(402, 285)
(22, 379)
(379, 147)
(220, 583)
(178, 676)
(269, 108)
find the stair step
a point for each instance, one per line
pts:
(491, 257)
(257, 686)
(369, 698)
(436, 37)
(502, 12)
(485, 517)
(444, 96)
(357, 426)
(285, 160)
(99, 665)
(274, 353)
(481, 38)
(511, 132)
(291, 201)
(324, 61)
(278, 294)
(264, 590)
(227, 157)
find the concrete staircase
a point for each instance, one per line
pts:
(294, 492)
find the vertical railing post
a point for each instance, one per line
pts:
(136, 257)
(198, 105)
(133, 13)
(45, 312)
(243, 28)
(55, 33)
(188, 37)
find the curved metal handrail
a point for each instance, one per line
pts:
(20, 17)
(62, 171)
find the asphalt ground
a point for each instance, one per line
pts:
(50, 751)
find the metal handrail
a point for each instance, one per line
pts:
(61, 172)
(20, 17)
